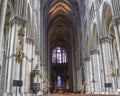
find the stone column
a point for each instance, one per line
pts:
(101, 62)
(96, 70)
(92, 80)
(11, 63)
(78, 79)
(3, 7)
(24, 68)
(14, 68)
(28, 65)
(18, 68)
(87, 71)
(42, 33)
(107, 58)
(117, 31)
(117, 35)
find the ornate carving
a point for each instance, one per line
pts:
(19, 50)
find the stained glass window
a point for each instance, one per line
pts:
(59, 55)
(59, 81)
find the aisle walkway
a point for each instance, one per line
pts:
(72, 94)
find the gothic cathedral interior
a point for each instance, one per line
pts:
(59, 46)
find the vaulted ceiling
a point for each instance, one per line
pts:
(61, 19)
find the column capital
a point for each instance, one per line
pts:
(105, 39)
(116, 21)
(87, 58)
(94, 51)
(116, 18)
(17, 19)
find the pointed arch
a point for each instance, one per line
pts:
(29, 32)
(95, 36)
(106, 18)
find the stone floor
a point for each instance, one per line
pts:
(72, 94)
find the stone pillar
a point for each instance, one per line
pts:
(92, 80)
(18, 68)
(117, 31)
(24, 68)
(28, 65)
(101, 62)
(91, 76)
(14, 68)
(12, 50)
(96, 70)
(107, 58)
(87, 71)
(42, 31)
(3, 7)
(117, 35)
(78, 79)
(74, 76)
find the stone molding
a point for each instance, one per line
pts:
(116, 19)
(105, 39)
(94, 51)
(87, 58)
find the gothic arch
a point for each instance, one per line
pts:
(10, 4)
(112, 36)
(29, 21)
(94, 36)
(106, 18)
(29, 9)
(114, 43)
